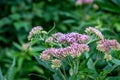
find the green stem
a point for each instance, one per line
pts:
(62, 74)
(69, 62)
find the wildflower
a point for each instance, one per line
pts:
(47, 53)
(94, 31)
(105, 45)
(73, 37)
(63, 52)
(78, 49)
(56, 63)
(45, 56)
(49, 40)
(83, 38)
(114, 44)
(34, 31)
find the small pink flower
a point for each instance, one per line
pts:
(49, 40)
(73, 37)
(56, 63)
(105, 45)
(94, 31)
(83, 38)
(78, 49)
(45, 56)
(34, 31)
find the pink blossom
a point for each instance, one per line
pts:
(105, 45)
(73, 37)
(94, 31)
(45, 56)
(56, 63)
(34, 31)
(49, 39)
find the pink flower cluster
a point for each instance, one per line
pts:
(74, 50)
(80, 2)
(73, 37)
(94, 31)
(105, 45)
(34, 30)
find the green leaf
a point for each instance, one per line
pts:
(90, 62)
(108, 5)
(45, 64)
(1, 76)
(10, 73)
(17, 46)
(55, 76)
(51, 29)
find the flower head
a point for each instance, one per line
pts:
(56, 63)
(108, 57)
(45, 57)
(47, 53)
(94, 31)
(34, 31)
(78, 49)
(105, 45)
(73, 37)
(49, 40)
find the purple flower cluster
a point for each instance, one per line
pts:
(74, 50)
(47, 53)
(73, 37)
(94, 31)
(105, 45)
(34, 31)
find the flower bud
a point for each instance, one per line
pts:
(56, 63)
(108, 57)
(49, 40)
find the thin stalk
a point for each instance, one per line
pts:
(62, 74)
(69, 62)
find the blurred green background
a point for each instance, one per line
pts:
(17, 17)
